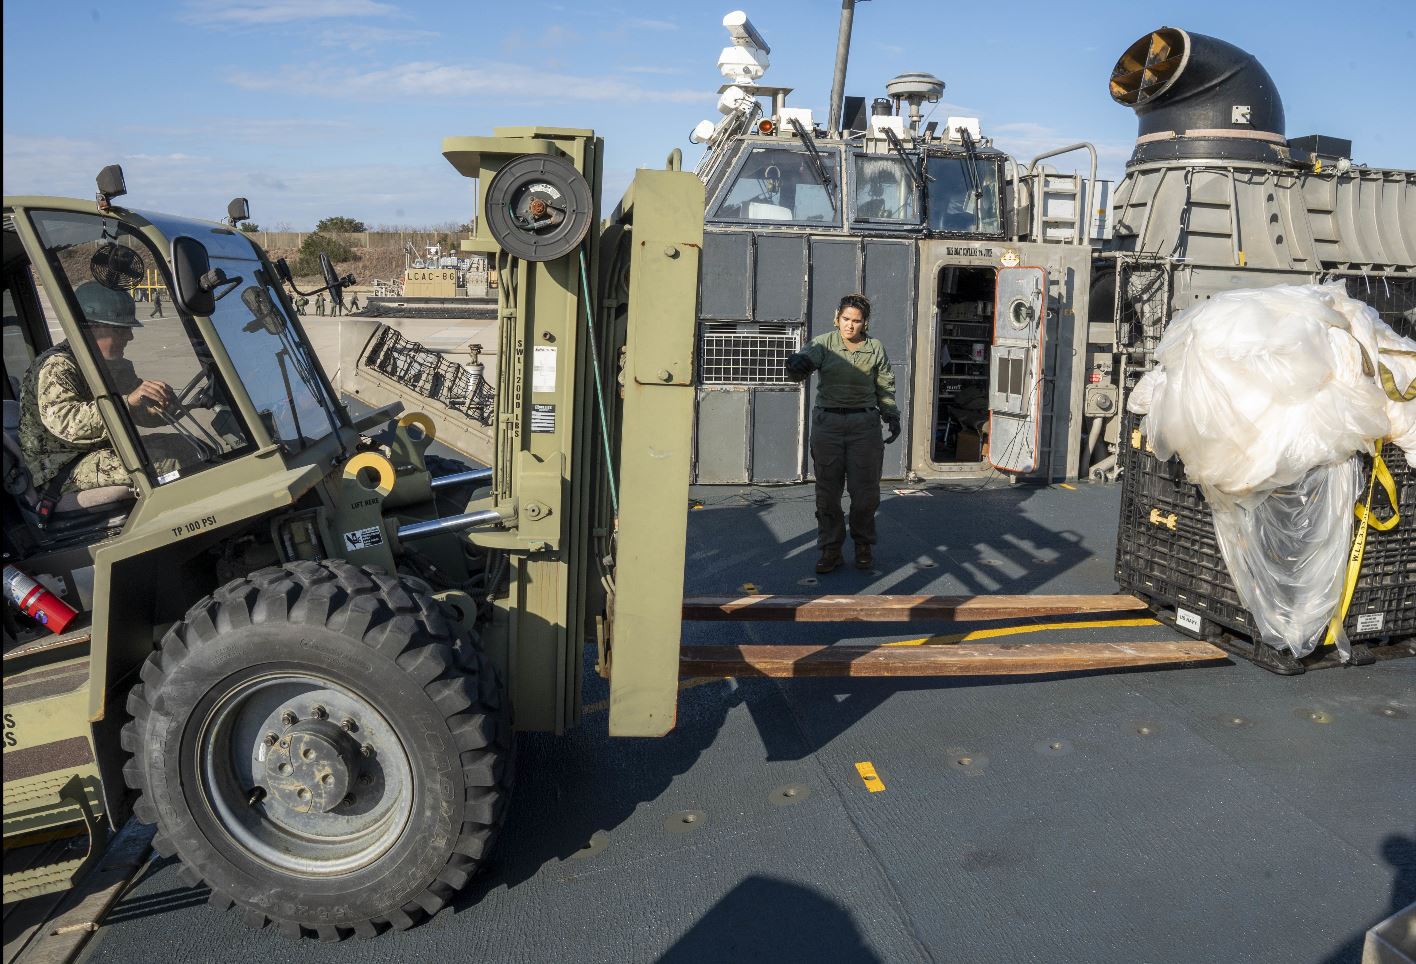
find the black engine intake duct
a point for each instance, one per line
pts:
(1198, 98)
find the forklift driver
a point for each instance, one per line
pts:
(62, 436)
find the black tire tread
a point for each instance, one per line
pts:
(406, 627)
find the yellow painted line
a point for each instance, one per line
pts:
(996, 632)
(687, 684)
(872, 780)
(1064, 485)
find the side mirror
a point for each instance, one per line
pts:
(266, 315)
(282, 271)
(238, 210)
(331, 278)
(192, 264)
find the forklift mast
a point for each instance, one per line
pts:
(593, 426)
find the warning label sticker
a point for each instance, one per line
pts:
(543, 369)
(363, 539)
(1370, 622)
(543, 418)
(1187, 620)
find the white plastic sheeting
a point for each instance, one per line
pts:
(1268, 396)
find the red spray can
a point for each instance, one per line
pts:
(35, 601)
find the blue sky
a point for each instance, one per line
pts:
(329, 107)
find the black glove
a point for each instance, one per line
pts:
(798, 367)
(892, 422)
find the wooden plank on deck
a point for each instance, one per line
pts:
(885, 609)
(964, 659)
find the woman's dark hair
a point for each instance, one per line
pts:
(859, 302)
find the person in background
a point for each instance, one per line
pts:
(855, 392)
(319, 305)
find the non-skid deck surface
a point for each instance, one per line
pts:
(1214, 813)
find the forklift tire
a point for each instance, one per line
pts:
(320, 749)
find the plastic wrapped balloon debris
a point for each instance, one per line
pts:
(1269, 396)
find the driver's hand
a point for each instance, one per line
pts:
(151, 396)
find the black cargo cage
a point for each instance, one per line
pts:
(1167, 554)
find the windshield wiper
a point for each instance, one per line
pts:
(899, 149)
(971, 172)
(818, 163)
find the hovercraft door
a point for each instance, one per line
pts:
(1015, 377)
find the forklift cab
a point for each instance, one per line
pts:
(108, 321)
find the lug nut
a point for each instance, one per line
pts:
(289, 718)
(271, 739)
(348, 801)
(367, 749)
(347, 725)
(365, 780)
(319, 712)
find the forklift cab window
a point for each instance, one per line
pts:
(964, 195)
(776, 184)
(884, 191)
(18, 351)
(276, 365)
(116, 284)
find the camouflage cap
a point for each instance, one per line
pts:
(106, 306)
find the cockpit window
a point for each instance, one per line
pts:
(964, 195)
(884, 190)
(777, 184)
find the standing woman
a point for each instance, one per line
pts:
(856, 391)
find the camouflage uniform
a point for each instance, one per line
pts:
(60, 422)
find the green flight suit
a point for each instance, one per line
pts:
(854, 390)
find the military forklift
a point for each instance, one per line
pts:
(298, 644)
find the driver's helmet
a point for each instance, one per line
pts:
(101, 305)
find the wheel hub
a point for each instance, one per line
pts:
(312, 767)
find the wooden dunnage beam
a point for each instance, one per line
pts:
(963, 659)
(891, 609)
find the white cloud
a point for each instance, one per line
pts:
(53, 165)
(159, 158)
(263, 12)
(640, 24)
(430, 80)
(372, 38)
(247, 130)
(426, 193)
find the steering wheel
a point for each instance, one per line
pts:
(200, 391)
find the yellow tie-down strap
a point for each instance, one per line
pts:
(1389, 385)
(1365, 521)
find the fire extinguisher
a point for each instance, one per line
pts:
(35, 601)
